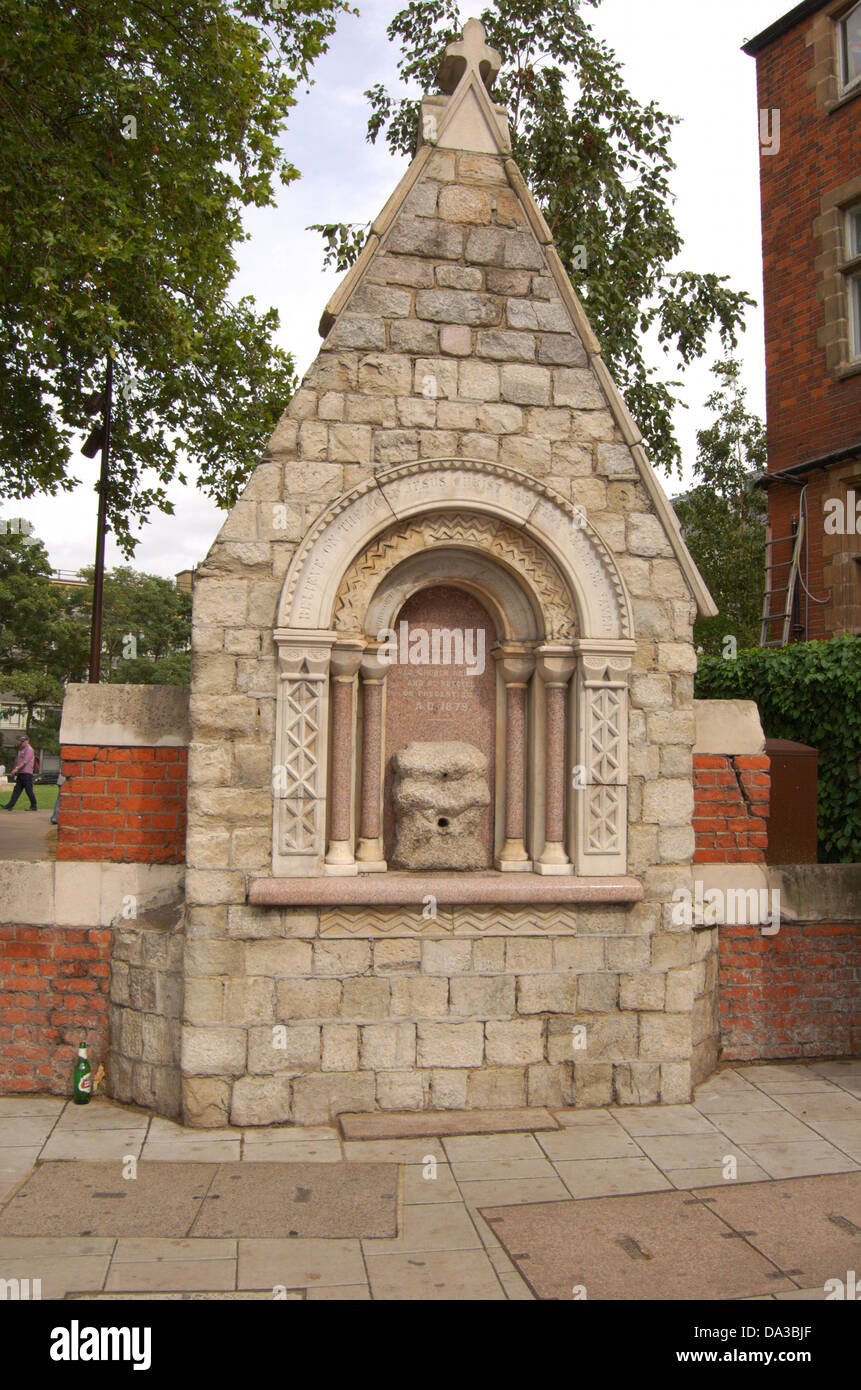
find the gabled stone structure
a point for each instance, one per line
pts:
(458, 463)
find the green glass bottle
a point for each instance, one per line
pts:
(82, 1085)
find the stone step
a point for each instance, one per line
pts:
(432, 1123)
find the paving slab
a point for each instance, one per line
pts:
(299, 1264)
(62, 1265)
(23, 1131)
(663, 1119)
(690, 1150)
(437, 1226)
(798, 1159)
(597, 1141)
(94, 1199)
(758, 1127)
(809, 1227)
(101, 1114)
(464, 1275)
(510, 1191)
(423, 1184)
(606, 1177)
(836, 1105)
(192, 1296)
(94, 1144)
(393, 1151)
(663, 1246)
(289, 1152)
(577, 1118)
(775, 1080)
(340, 1293)
(492, 1146)
(283, 1134)
(140, 1249)
(843, 1134)
(172, 1275)
(412, 1124)
(687, 1178)
(167, 1151)
(501, 1169)
(30, 1105)
(335, 1200)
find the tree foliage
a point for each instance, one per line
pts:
(131, 139)
(599, 164)
(723, 517)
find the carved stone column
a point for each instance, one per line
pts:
(370, 854)
(555, 666)
(515, 667)
(341, 858)
(602, 756)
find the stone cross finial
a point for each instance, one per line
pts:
(470, 51)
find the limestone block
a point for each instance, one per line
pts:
(571, 460)
(637, 574)
(540, 994)
(457, 415)
(644, 990)
(450, 1044)
(616, 461)
(213, 1051)
(501, 419)
(446, 957)
(385, 374)
(459, 277)
(350, 443)
(608, 1038)
(480, 168)
(421, 237)
(286, 1047)
(528, 956)
(455, 339)
(525, 385)
(340, 1047)
(400, 1090)
(409, 335)
(414, 413)
(526, 313)
(460, 204)
(478, 381)
(485, 246)
(317, 1100)
(579, 953)
(651, 691)
(249, 1000)
(521, 251)
(371, 410)
(488, 957)
(222, 601)
(485, 997)
(261, 1100)
(203, 1001)
(435, 378)
(522, 451)
(561, 350)
(480, 446)
(397, 957)
(652, 620)
(680, 990)
(496, 1088)
(676, 844)
(545, 1084)
(331, 406)
(665, 1037)
(309, 999)
(675, 726)
(334, 371)
(646, 535)
(448, 1089)
(341, 958)
(383, 300)
(419, 996)
(676, 1083)
(677, 656)
(435, 444)
(401, 270)
(365, 997)
(508, 281)
(214, 958)
(503, 345)
(520, 1040)
(439, 794)
(205, 1102)
(549, 424)
(628, 953)
(388, 1046)
(591, 1085)
(637, 1083)
(597, 993)
(458, 306)
(577, 387)
(728, 727)
(669, 801)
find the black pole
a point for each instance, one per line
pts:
(99, 574)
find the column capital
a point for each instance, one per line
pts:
(374, 668)
(346, 658)
(555, 664)
(516, 663)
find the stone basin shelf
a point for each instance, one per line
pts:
(393, 889)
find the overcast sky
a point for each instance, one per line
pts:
(685, 56)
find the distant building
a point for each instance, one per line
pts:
(809, 84)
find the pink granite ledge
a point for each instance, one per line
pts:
(407, 889)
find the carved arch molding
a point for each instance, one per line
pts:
(566, 640)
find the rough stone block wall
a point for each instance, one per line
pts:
(53, 994)
(797, 994)
(731, 802)
(123, 804)
(146, 1009)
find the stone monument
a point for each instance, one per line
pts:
(454, 541)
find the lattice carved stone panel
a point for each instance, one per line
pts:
(299, 771)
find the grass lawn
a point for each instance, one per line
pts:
(45, 797)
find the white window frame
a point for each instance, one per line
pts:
(842, 54)
(851, 270)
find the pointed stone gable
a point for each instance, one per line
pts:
(457, 428)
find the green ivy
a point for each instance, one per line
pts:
(809, 692)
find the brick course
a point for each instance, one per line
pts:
(53, 993)
(731, 803)
(123, 804)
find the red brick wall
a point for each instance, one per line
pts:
(796, 994)
(123, 804)
(54, 985)
(810, 411)
(731, 800)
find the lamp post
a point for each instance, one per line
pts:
(100, 437)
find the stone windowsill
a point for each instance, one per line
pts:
(408, 889)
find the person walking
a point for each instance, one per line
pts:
(23, 774)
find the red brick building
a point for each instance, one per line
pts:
(809, 87)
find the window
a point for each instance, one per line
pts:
(850, 48)
(852, 271)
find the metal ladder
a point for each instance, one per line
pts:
(780, 605)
